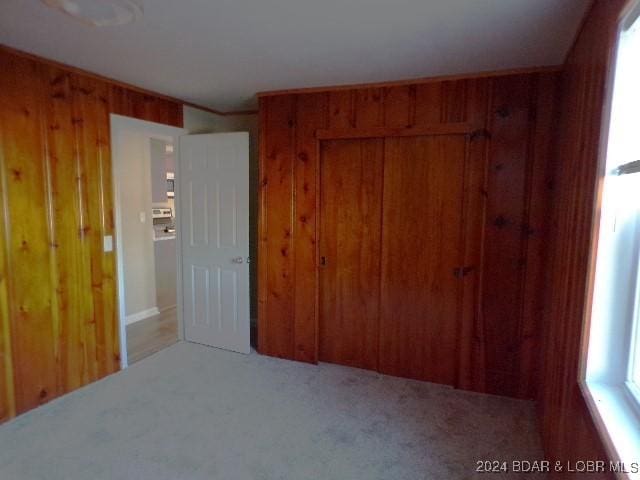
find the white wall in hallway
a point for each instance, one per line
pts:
(133, 177)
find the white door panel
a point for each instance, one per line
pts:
(214, 192)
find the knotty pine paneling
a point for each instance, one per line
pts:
(276, 292)
(304, 238)
(58, 312)
(471, 371)
(568, 430)
(507, 189)
(506, 233)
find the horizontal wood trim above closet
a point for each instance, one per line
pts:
(113, 82)
(378, 132)
(414, 81)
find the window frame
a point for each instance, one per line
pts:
(631, 387)
(614, 405)
(632, 383)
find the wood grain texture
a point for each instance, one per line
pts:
(505, 236)
(305, 241)
(29, 250)
(7, 390)
(568, 430)
(350, 247)
(516, 105)
(537, 228)
(58, 323)
(421, 248)
(170, 112)
(396, 131)
(276, 285)
(471, 370)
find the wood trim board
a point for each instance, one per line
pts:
(375, 132)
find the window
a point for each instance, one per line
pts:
(613, 357)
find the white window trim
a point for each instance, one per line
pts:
(614, 405)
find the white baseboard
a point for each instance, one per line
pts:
(136, 317)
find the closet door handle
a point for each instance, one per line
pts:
(323, 261)
(460, 272)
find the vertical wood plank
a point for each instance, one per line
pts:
(350, 243)
(144, 107)
(398, 106)
(103, 179)
(471, 352)
(276, 327)
(537, 226)
(119, 101)
(28, 246)
(369, 107)
(428, 103)
(175, 116)
(91, 103)
(7, 390)
(312, 110)
(453, 97)
(65, 213)
(263, 239)
(504, 237)
(341, 109)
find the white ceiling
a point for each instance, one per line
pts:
(219, 53)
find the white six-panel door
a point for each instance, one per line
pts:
(213, 189)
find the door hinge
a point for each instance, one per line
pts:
(460, 272)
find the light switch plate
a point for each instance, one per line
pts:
(143, 217)
(108, 243)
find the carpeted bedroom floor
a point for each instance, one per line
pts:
(196, 413)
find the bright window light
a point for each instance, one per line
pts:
(613, 356)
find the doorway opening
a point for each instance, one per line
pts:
(182, 232)
(144, 176)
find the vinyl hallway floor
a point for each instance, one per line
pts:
(151, 335)
(190, 412)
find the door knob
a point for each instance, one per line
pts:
(237, 260)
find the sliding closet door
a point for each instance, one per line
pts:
(421, 247)
(350, 234)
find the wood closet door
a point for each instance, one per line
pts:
(350, 234)
(421, 247)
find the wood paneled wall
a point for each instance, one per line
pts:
(568, 430)
(499, 351)
(58, 313)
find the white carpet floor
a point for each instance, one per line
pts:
(195, 413)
